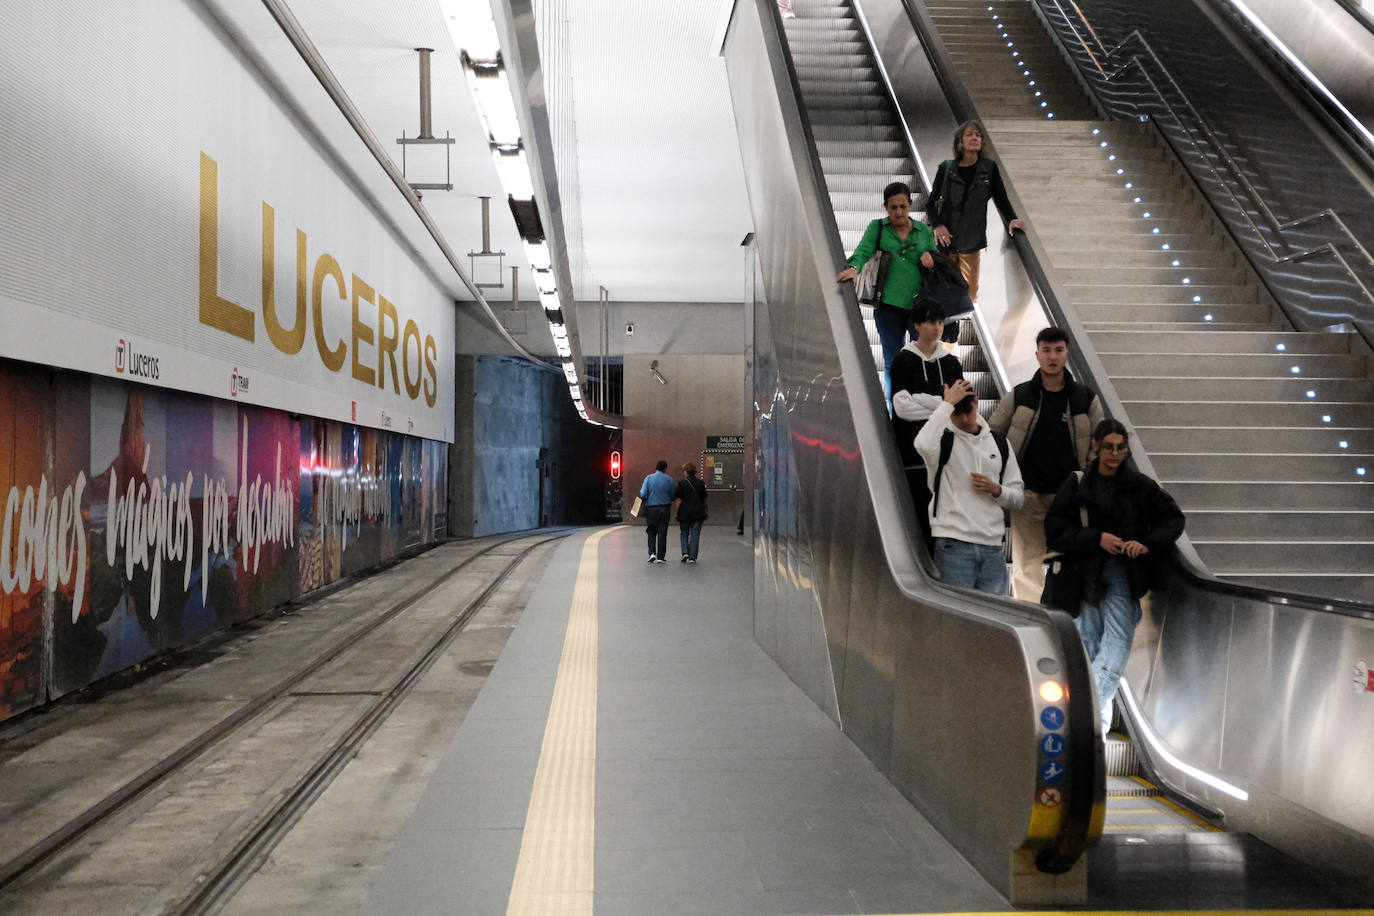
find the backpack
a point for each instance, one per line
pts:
(947, 449)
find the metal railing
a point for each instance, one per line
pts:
(1191, 126)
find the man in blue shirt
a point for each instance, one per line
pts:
(658, 492)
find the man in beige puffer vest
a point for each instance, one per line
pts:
(1048, 422)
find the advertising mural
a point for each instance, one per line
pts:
(138, 519)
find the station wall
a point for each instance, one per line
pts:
(138, 519)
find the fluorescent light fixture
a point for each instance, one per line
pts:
(513, 168)
(471, 27)
(492, 89)
(569, 372)
(562, 348)
(1157, 747)
(543, 279)
(550, 301)
(537, 253)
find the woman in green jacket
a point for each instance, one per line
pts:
(910, 242)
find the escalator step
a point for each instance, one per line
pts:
(1121, 757)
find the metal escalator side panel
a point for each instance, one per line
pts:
(936, 687)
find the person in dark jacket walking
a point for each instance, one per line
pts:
(958, 205)
(1131, 524)
(691, 511)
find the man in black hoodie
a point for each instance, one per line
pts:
(920, 372)
(1049, 422)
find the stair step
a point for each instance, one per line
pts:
(1311, 497)
(1265, 468)
(1193, 315)
(1213, 525)
(1114, 277)
(1254, 440)
(1233, 365)
(1075, 239)
(861, 133)
(1223, 414)
(1169, 388)
(1260, 343)
(1153, 256)
(869, 185)
(1165, 293)
(1286, 556)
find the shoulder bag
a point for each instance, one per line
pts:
(873, 275)
(1064, 573)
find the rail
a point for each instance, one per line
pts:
(1194, 124)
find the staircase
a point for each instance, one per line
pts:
(1263, 434)
(861, 145)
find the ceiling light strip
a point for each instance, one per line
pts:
(315, 61)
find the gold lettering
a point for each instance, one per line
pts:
(361, 332)
(386, 343)
(215, 311)
(326, 266)
(431, 393)
(412, 389)
(289, 342)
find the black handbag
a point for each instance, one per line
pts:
(1064, 573)
(945, 285)
(1063, 583)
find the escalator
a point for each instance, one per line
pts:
(848, 603)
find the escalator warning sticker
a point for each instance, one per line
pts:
(1051, 797)
(1052, 717)
(1364, 677)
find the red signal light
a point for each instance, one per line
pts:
(615, 465)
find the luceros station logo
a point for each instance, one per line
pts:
(129, 359)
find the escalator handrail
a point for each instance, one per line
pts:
(1084, 361)
(1081, 789)
(1283, 61)
(1196, 123)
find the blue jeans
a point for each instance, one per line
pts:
(969, 565)
(1107, 629)
(656, 527)
(691, 538)
(892, 324)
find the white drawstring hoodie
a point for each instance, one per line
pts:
(964, 513)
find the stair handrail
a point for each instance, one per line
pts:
(1084, 358)
(1199, 123)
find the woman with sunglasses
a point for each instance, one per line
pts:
(1118, 524)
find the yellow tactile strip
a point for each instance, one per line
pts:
(554, 871)
(1359, 912)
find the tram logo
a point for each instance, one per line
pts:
(238, 382)
(128, 359)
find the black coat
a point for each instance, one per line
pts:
(692, 495)
(1137, 509)
(963, 209)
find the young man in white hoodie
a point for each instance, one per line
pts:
(976, 480)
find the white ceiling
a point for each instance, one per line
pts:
(661, 187)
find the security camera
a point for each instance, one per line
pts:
(629, 330)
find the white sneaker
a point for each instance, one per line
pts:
(653, 559)
(690, 560)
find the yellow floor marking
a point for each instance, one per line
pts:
(1360, 912)
(554, 871)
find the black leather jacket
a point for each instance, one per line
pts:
(964, 210)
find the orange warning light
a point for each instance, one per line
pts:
(615, 465)
(1051, 692)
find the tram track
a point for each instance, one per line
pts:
(214, 883)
